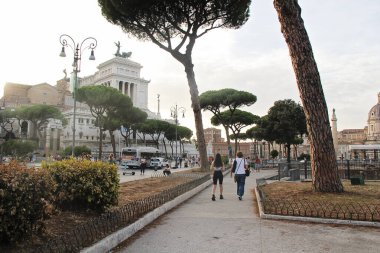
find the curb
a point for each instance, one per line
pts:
(114, 239)
(311, 219)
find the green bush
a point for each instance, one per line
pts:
(274, 153)
(18, 148)
(25, 196)
(225, 159)
(304, 157)
(84, 183)
(78, 151)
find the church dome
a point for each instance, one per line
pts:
(374, 113)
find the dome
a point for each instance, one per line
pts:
(374, 113)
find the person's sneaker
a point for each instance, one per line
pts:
(240, 198)
(221, 196)
(213, 197)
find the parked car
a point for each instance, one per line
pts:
(158, 162)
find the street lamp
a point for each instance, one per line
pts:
(87, 43)
(174, 114)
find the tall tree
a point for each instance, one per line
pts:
(102, 99)
(7, 120)
(130, 121)
(236, 121)
(183, 134)
(171, 137)
(154, 128)
(217, 100)
(39, 116)
(175, 26)
(323, 158)
(117, 114)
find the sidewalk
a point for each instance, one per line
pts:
(230, 225)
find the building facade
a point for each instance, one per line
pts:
(359, 143)
(119, 72)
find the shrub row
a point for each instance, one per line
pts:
(24, 200)
(27, 195)
(84, 184)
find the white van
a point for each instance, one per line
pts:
(131, 156)
(158, 162)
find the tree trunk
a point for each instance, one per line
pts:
(166, 152)
(113, 143)
(288, 152)
(100, 143)
(228, 139)
(189, 69)
(323, 159)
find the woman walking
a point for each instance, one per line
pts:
(238, 168)
(217, 168)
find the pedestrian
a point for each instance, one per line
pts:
(238, 169)
(110, 158)
(257, 164)
(217, 168)
(142, 166)
(167, 171)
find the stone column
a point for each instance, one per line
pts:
(334, 130)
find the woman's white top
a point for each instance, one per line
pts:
(240, 166)
(216, 168)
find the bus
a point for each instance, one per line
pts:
(131, 156)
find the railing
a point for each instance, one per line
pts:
(306, 208)
(86, 234)
(360, 211)
(347, 169)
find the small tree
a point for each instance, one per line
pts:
(285, 123)
(274, 154)
(236, 121)
(217, 100)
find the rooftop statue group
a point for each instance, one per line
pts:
(124, 54)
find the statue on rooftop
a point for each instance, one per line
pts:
(118, 48)
(124, 54)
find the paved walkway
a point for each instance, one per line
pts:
(230, 225)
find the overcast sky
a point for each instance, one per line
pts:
(344, 35)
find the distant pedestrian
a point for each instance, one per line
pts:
(180, 162)
(238, 169)
(257, 164)
(192, 161)
(142, 166)
(167, 171)
(217, 168)
(110, 158)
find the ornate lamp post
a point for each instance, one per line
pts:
(174, 114)
(78, 48)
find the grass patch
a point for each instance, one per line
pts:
(369, 192)
(357, 202)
